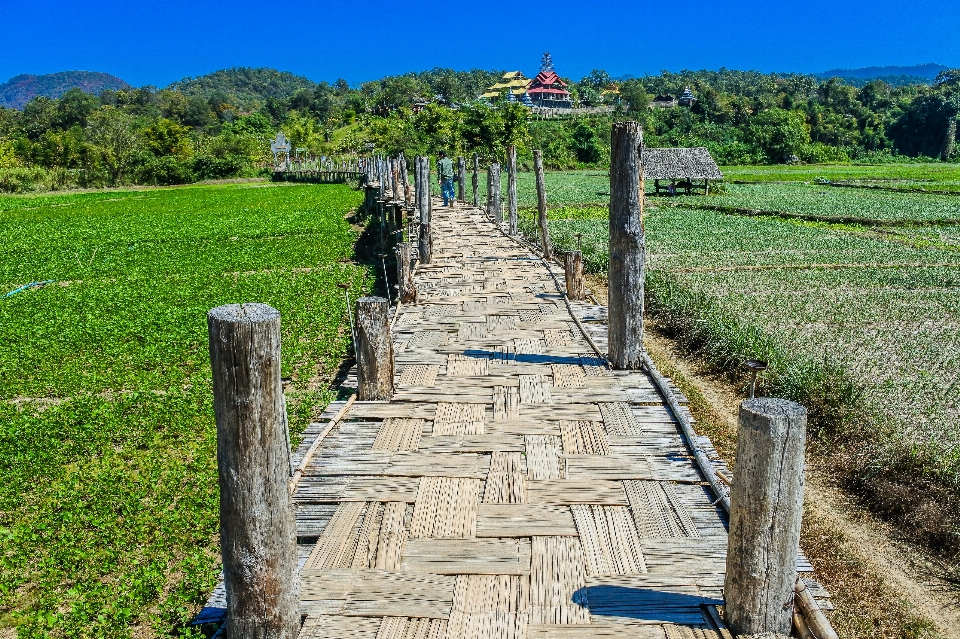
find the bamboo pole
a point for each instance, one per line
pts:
(542, 205)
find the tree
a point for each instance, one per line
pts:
(115, 141)
(779, 134)
(928, 125)
(166, 137)
(585, 144)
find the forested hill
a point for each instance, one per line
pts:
(246, 87)
(16, 92)
(897, 76)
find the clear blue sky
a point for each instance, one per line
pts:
(159, 42)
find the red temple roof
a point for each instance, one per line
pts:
(548, 78)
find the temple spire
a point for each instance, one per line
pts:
(546, 63)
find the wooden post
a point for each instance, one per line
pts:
(573, 270)
(257, 529)
(542, 205)
(423, 204)
(625, 276)
(512, 189)
(407, 290)
(476, 180)
(494, 205)
(406, 180)
(461, 177)
(374, 350)
(766, 505)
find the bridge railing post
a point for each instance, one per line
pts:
(257, 529)
(476, 180)
(766, 507)
(512, 189)
(573, 272)
(627, 249)
(424, 206)
(542, 205)
(374, 350)
(407, 289)
(494, 204)
(461, 177)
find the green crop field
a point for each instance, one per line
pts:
(931, 173)
(108, 488)
(860, 323)
(828, 203)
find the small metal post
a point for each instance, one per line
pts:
(353, 331)
(386, 278)
(755, 366)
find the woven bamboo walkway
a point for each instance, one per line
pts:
(514, 487)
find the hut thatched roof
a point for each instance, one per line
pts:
(680, 164)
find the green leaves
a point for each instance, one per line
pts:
(108, 488)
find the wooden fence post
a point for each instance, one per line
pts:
(766, 506)
(374, 350)
(406, 180)
(407, 289)
(512, 189)
(494, 203)
(257, 528)
(476, 180)
(573, 270)
(625, 276)
(423, 204)
(542, 205)
(461, 176)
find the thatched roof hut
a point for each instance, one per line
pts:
(680, 165)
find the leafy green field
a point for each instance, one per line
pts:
(814, 201)
(862, 325)
(108, 491)
(932, 172)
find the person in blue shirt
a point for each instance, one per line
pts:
(445, 173)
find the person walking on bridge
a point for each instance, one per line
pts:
(445, 173)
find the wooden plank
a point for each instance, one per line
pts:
(584, 438)
(563, 492)
(472, 443)
(446, 508)
(543, 457)
(357, 488)
(607, 467)
(398, 434)
(468, 556)
(319, 626)
(557, 577)
(404, 464)
(505, 482)
(610, 541)
(524, 520)
(597, 630)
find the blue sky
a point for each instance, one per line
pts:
(159, 42)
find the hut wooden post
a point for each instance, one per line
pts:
(257, 528)
(476, 180)
(406, 181)
(374, 350)
(461, 177)
(766, 506)
(625, 293)
(542, 205)
(423, 205)
(512, 189)
(407, 289)
(494, 205)
(573, 270)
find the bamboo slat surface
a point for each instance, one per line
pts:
(514, 486)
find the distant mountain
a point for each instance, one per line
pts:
(927, 71)
(245, 86)
(18, 90)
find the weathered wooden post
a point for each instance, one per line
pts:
(461, 177)
(406, 180)
(766, 505)
(573, 270)
(512, 189)
(257, 529)
(374, 350)
(542, 205)
(476, 180)
(494, 204)
(407, 289)
(423, 204)
(625, 276)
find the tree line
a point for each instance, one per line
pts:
(219, 125)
